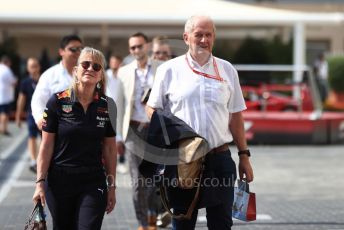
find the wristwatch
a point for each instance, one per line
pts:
(110, 184)
(246, 152)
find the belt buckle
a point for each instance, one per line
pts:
(221, 148)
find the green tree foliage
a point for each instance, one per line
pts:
(279, 53)
(252, 51)
(256, 51)
(336, 73)
(222, 49)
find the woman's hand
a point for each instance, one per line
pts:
(111, 200)
(39, 193)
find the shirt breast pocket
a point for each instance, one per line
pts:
(217, 92)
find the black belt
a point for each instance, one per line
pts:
(220, 149)
(139, 124)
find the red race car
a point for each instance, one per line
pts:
(274, 97)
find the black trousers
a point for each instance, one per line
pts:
(76, 201)
(216, 194)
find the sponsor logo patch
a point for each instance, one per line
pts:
(64, 94)
(67, 108)
(102, 110)
(102, 118)
(101, 124)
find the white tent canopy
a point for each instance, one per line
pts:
(161, 13)
(152, 12)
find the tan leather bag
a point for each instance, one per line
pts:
(192, 153)
(191, 157)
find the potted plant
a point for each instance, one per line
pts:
(335, 100)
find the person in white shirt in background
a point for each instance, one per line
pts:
(135, 79)
(115, 62)
(161, 49)
(27, 87)
(7, 84)
(57, 78)
(321, 74)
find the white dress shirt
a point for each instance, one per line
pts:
(143, 80)
(7, 81)
(323, 70)
(205, 104)
(111, 85)
(53, 80)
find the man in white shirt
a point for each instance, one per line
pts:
(321, 74)
(115, 62)
(135, 79)
(57, 78)
(161, 50)
(7, 84)
(205, 93)
(112, 88)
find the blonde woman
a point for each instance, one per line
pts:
(76, 163)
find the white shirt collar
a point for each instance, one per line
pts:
(148, 64)
(194, 64)
(64, 70)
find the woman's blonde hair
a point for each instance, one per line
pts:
(99, 58)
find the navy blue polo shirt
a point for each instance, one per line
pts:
(27, 87)
(79, 134)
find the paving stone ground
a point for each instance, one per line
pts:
(297, 187)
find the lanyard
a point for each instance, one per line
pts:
(217, 77)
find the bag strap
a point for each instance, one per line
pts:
(33, 212)
(38, 207)
(243, 185)
(41, 210)
(192, 206)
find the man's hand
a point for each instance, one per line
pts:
(245, 168)
(39, 124)
(120, 148)
(149, 111)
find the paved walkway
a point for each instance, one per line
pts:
(297, 187)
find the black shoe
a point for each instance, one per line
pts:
(33, 168)
(6, 133)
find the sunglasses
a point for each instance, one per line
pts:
(75, 49)
(165, 53)
(95, 66)
(136, 47)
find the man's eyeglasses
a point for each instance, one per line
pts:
(165, 53)
(95, 66)
(136, 47)
(75, 49)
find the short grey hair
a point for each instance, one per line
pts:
(190, 23)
